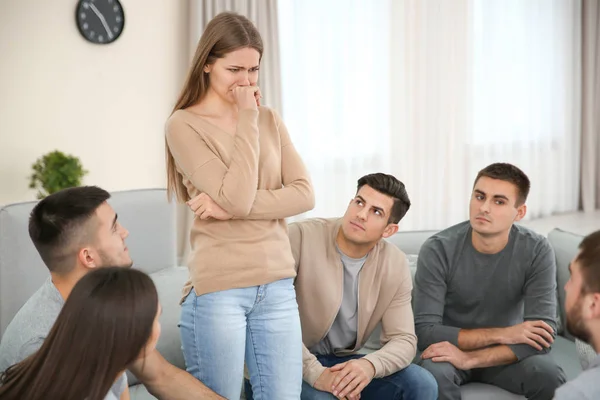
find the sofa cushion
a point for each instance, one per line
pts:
(169, 283)
(565, 245)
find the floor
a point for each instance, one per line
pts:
(579, 222)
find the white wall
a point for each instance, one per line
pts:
(106, 104)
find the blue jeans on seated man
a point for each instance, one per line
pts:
(259, 325)
(410, 383)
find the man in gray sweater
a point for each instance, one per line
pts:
(485, 295)
(582, 305)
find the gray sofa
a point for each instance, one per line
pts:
(150, 220)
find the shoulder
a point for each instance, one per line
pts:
(30, 326)
(529, 238)
(448, 238)
(585, 386)
(314, 226)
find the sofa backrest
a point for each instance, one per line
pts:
(565, 245)
(146, 213)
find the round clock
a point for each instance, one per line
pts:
(100, 21)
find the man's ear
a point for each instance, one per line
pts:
(521, 212)
(390, 230)
(87, 258)
(595, 305)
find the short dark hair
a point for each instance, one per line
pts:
(589, 262)
(58, 221)
(111, 311)
(389, 185)
(509, 173)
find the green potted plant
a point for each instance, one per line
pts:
(55, 171)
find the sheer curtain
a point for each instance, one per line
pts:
(433, 91)
(335, 88)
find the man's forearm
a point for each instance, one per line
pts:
(491, 357)
(167, 382)
(474, 339)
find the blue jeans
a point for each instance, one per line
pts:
(260, 325)
(410, 383)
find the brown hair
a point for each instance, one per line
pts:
(103, 327)
(389, 185)
(225, 33)
(509, 173)
(589, 262)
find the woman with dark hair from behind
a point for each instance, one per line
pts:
(109, 320)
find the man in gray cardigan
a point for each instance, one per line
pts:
(485, 295)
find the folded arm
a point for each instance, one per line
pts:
(232, 187)
(296, 194)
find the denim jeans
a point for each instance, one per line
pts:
(260, 325)
(410, 383)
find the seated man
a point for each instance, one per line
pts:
(485, 295)
(75, 231)
(582, 305)
(349, 280)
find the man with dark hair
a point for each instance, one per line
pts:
(348, 281)
(76, 231)
(582, 305)
(485, 295)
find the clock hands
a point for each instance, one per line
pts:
(102, 19)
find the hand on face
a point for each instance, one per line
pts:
(247, 97)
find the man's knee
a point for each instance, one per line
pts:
(443, 372)
(542, 375)
(417, 383)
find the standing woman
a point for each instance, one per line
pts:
(236, 161)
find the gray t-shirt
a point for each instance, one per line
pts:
(30, 326)
(585, 387)
(456, 287)
(342, 334)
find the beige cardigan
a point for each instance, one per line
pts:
(385, 286)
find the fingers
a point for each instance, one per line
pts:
(351, 387)
(355, 394)
(344, 386)
(258, 96)
(543, 333)
(544, 325)
(538, 339)
(441, 359)
(340, 375)
(338, 367)
(533, 344)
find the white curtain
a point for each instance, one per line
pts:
(432, 91)
(263, 13)
(335, 83)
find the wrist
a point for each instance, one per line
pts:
(498, 335)
(472, 359)
(369, 366)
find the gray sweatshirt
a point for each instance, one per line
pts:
(456, 287)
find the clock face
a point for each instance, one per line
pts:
(100, 21)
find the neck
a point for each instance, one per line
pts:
(65, 283)
(351, 249)
(489, 244)
(595, 335)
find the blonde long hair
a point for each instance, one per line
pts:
(225, 33)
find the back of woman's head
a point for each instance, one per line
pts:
(225, 33)
(103, 327)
